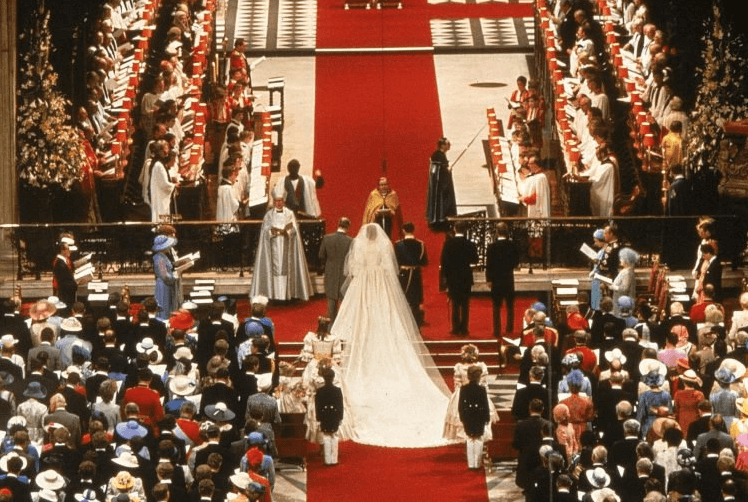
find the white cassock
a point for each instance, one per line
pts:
(227, 203)
(280, 270)
(537, 185)
(602, 189)
(161, 190)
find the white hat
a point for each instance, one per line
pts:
(50, 479)
(48, 495)
(615, 354)
(183, 353)
(240, 479)
(259, 300)
(182, 385)
(8, 340)
(597, 477)
(126, 459)
(648, 365)
(145, 345)
(13, 453)
(56, 302)
(71, 325)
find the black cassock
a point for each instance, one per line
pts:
(441, 195)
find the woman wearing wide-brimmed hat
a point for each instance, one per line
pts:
(653, 399)
(687, 399)
(166, 278)
(727, 389)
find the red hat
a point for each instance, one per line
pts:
(254, 457)
(682, 363)
(576, 321)
(181, 319)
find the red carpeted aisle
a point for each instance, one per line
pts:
(374, 108)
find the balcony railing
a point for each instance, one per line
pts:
(124, 248)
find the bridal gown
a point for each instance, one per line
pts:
(395, 394)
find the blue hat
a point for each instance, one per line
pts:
(724, 375)
(575, 377)
(653, 379)
(162, 242)
(625, 303)
(256, 439)
(35, 390)
(539, 307)
(628, 255)
(255, 487)
(254, 329)
(599, 234)
(130, 429)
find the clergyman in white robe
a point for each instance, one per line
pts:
(280, 270)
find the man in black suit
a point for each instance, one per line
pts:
(700, 425)
(332, 252)
(207, 335)
(501, 260)
(458, 254)
(11, 322)
(609, 393)
(623, 452)
(63, 283)
(524, 396)
(600, 319)
(710, 479)
(527, 439)
(411, 256)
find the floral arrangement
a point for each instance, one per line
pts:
(50, 151)
(721, 96)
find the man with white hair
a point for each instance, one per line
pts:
(58, 414)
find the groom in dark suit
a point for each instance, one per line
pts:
(458, 254)
(501, 260)
(332, 252)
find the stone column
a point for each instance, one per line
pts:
(8, 179)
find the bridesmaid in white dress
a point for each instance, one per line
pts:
(321, 350)
(453, 428)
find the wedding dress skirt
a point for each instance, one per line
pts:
(394, 392)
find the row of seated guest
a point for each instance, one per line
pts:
(680, 404)
(81, 398)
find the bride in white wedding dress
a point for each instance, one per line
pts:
(396, 395)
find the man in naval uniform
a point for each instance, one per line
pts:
(411, 256)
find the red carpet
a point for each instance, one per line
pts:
(368, 473)
(374, 110)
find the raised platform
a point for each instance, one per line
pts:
(231, 284)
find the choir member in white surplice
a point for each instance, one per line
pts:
(280, 270)
(162, 187)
